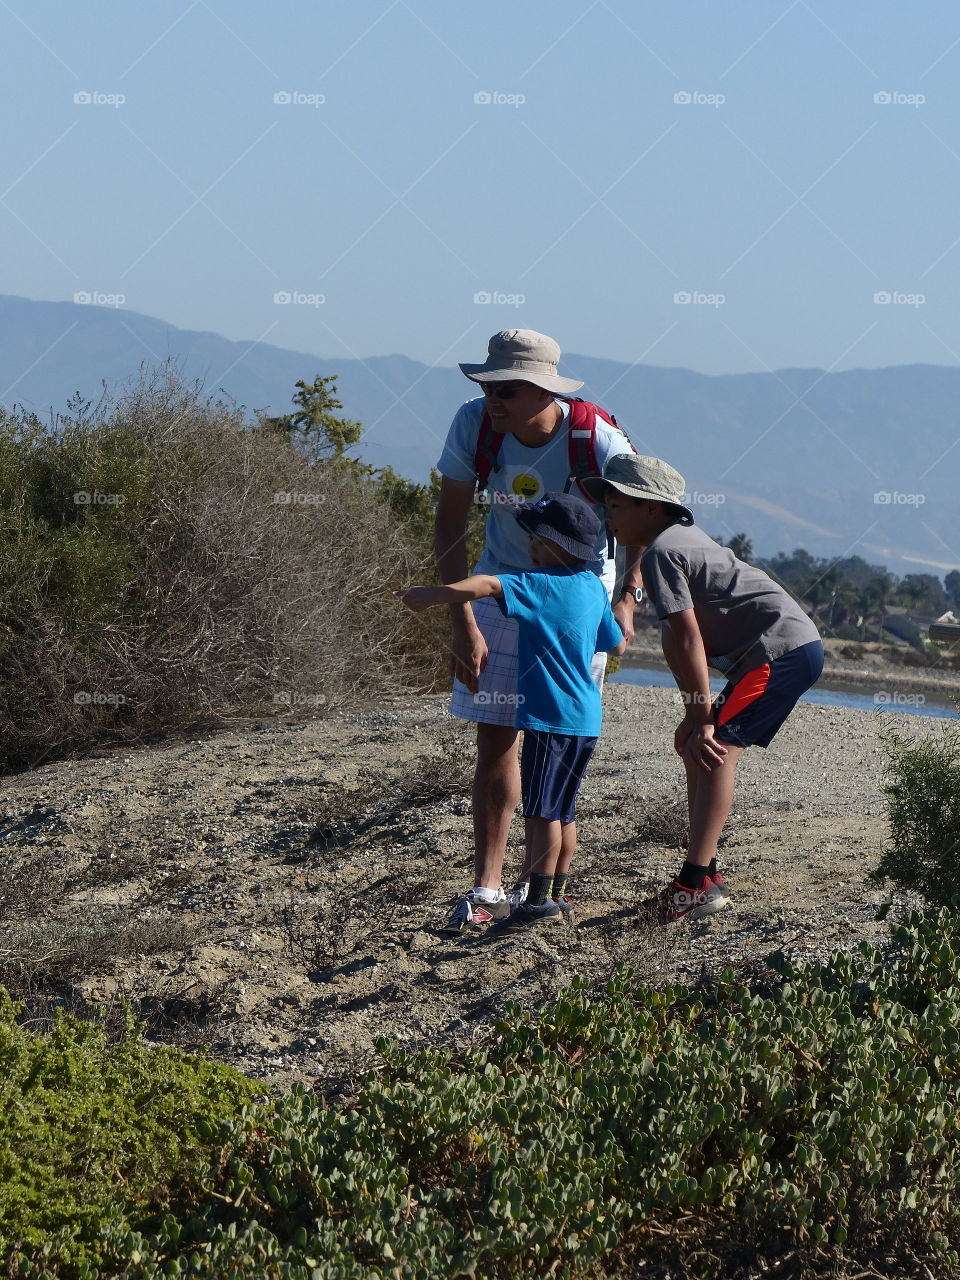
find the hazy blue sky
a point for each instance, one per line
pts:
(784, 186)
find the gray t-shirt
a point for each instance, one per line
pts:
(744, 617)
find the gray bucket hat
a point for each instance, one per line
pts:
(640, 477)
(522, 355)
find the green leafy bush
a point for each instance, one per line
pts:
(807, 1119)
(923, 805)
(88, 1131)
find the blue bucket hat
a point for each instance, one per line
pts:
(565, 520)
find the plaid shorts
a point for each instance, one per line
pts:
(495, 701)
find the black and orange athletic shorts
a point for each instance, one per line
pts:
(749, 713)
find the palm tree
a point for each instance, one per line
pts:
(741, 546)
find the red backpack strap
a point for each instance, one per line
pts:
(582, 440)
(487, 451)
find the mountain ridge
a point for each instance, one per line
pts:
(845, 462)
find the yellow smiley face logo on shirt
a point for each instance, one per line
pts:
(525, 486)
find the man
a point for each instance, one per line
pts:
(528, 455)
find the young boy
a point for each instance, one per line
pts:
(720, 612)
(563, 617)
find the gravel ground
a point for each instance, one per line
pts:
(273, 890)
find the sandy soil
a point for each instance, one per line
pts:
(273, 890)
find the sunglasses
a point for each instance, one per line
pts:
(502, 390)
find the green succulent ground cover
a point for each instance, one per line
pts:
(807, 1119)
(87, 1131)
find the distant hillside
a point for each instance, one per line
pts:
(864, 462)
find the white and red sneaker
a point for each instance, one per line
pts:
(468, 913)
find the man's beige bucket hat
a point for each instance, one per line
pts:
(522, 355)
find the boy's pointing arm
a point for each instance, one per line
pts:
(476, 587)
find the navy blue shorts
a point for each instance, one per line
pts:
(552, 766)
(749, 713)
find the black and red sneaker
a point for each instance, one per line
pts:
(676, 902)
(693, 904)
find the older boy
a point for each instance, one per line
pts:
(563, 617)
(719, 612)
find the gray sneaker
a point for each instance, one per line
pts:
(567, 909)
(528, 916)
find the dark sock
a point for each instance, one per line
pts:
(712, 869)
(539, 890)
(559, 885)
(691, 876)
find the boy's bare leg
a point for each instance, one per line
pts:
(496, 793)
(568, 847)
(692, 774)
(710, 797)
(543, 846)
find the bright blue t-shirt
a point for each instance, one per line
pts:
(564, 618)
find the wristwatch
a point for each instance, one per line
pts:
(636, 592)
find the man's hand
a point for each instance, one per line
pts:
(623, 612)
(468, 656)
(702, 749)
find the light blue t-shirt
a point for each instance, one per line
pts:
(563, 618)
(522, 475)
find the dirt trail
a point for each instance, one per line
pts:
(273, 890)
